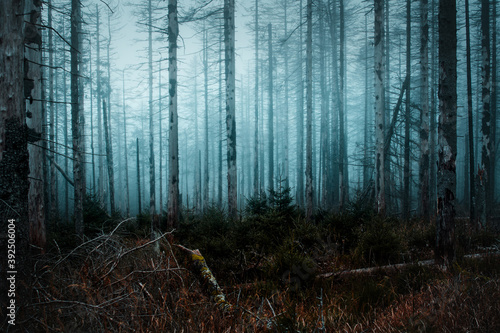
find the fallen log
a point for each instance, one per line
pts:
(395, 267)
(199, 267)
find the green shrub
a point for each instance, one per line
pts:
(378, 242)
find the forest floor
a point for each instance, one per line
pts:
(275, 270)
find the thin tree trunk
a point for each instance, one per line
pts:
(173, 176)
(152, 193)
(424, 112)
(109, 158)
(270, 119)
(53, 187)
(406, 179)
(470, 142)
(77, 118)
(366, 138)
(433, 132)
(300, 120)
(206, 178)
(493, 106)
(486, 162)
(286, 121)
(229, 60)
(160, 136)
(309, 174)
(100, 184)
(125, 151)
(445, 244)
(256, 185)
(379, 106)
(342, 136)
(138, 178)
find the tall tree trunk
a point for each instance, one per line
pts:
(219, 166)
(325, 126)
(424, 111)
(493, 105)
(35, 122)
(100, 184)
(138, 178)
(53, 187)
(486, 161)
(379, 106)
(109, 157)
(447, 136)
(232, 191)
(173, 134)
(309, 174)
(366, 137)
(206, 178)
(152, 187)
(343, 179)
(14, 162)
(160, 136)
(406, 180)
(256, 184)
(300, 119)
(286, 121)
(270, 119)
(433, 131)
(125, 151)
(77, 117)
(470, 142)
(66, 139)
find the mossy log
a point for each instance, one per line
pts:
(199, 267)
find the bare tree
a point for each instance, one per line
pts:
(173, 135)
(229, 61)
(309, 173)
(379, 107)
(424, 111)
(77, 117)
(447, 133)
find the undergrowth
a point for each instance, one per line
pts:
(270, 263)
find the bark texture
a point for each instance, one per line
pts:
(447, 133)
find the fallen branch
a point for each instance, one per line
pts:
(390, 130)
(200, 268)
(395, 267)
(63, 173)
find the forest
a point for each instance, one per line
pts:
(229, 166)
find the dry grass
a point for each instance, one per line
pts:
(116, 284)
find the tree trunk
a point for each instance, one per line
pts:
(270, 119)
(35, 122)
(470, 142)
(493, 106)
(125, 151)
(229, 60)
(109, 158)
(256, 185)
(152, 193)
(286, 120)
(53, 184)
(300, 120)
(173, 135)
(379, 106)
(309, 174)
(77, 118)
(14, 162)
(447, 136)
(424, 111)
(100, 184)
(343, 179)
(206, 178)
(138, 179)
(486, 161)
(406, 179)
(433, 132)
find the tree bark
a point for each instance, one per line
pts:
(138, 179)
(109, 157)
(470, 142)
(379, 107)
(406, 167)
(229, 60)
(424, 111)
(270, 119)
(152, 188)
(256, 184)
(173, 135)
(447, 133)
(77, 118)
(309, 174)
